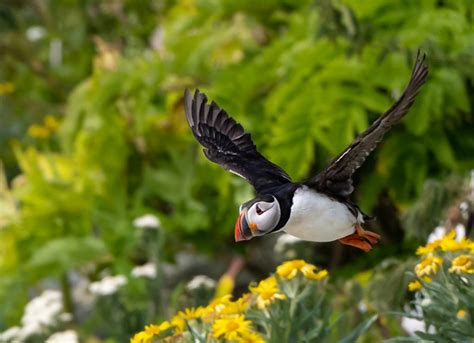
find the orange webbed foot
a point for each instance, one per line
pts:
(361, 239)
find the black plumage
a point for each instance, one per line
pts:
(336, 179)
(225, 142)
(318, 209)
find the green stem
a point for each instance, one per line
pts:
(293, 303)
(67, 297)
(448, 285)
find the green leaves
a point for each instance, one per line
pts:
(63, 254)
(359, 330)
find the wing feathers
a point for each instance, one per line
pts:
(336, 178)
(225, 142)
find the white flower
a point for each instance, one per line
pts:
(108, 285)
(68, 336)
(35, 33)
(147, 221)
(438, 233)
(425, 302)
(42, 311)
(460, 232)
(148, 270)
(201, 281)
(65, 317)
(411, 325)
(362, 307)
(284, 241)
(10, 335)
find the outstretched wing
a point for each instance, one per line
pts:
(225, 142)
(337, 177)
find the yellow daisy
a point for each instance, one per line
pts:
(267, 291)
(179, 323)
(250, 337)
(218, 304)
(461, 314)
(428, 248)
(316, 276)
(428, 266)
(462, 264)
(231, 328)
(51, 123)
(236, 307)
(150, 331)
(38, 131)
(192, 313)
(289, 269)
(215, 307)
(414, 285)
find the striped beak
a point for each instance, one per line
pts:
(242, 231)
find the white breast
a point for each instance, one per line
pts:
(316, 217)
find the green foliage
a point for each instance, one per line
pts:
(291, 305)
(65, 254)
(444, 280)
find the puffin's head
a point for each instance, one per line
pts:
(257, 217)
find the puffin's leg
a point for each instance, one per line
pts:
(356, 241)
(370, 236)
(361, 239)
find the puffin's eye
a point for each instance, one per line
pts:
(258, 210)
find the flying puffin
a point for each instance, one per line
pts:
(318, 209)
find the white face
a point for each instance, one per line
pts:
(263, 216)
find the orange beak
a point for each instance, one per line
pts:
(241, 230)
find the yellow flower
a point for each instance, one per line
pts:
(414, 285)
(427, 266)
(6, 87)
(51, 123)
(38, 131)
(231, 328)
(236, 307)
(317, 276)
(218, 304)
(428, 248)
(179, 323)
(250, 337)
(225, 285)
(267, 291)
(427, 279)
(146, 335)
(448, 243)
(289, 269)
(461, 314)
(462, 264)
(191, 313)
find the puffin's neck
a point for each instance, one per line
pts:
(284, 194)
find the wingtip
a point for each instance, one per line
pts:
(420, 69)
(188, 104)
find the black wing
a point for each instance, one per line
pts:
(225, 142)
(336, 179)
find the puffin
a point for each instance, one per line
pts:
(318, 209)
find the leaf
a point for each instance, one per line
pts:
(63, 254)
(359, 330)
